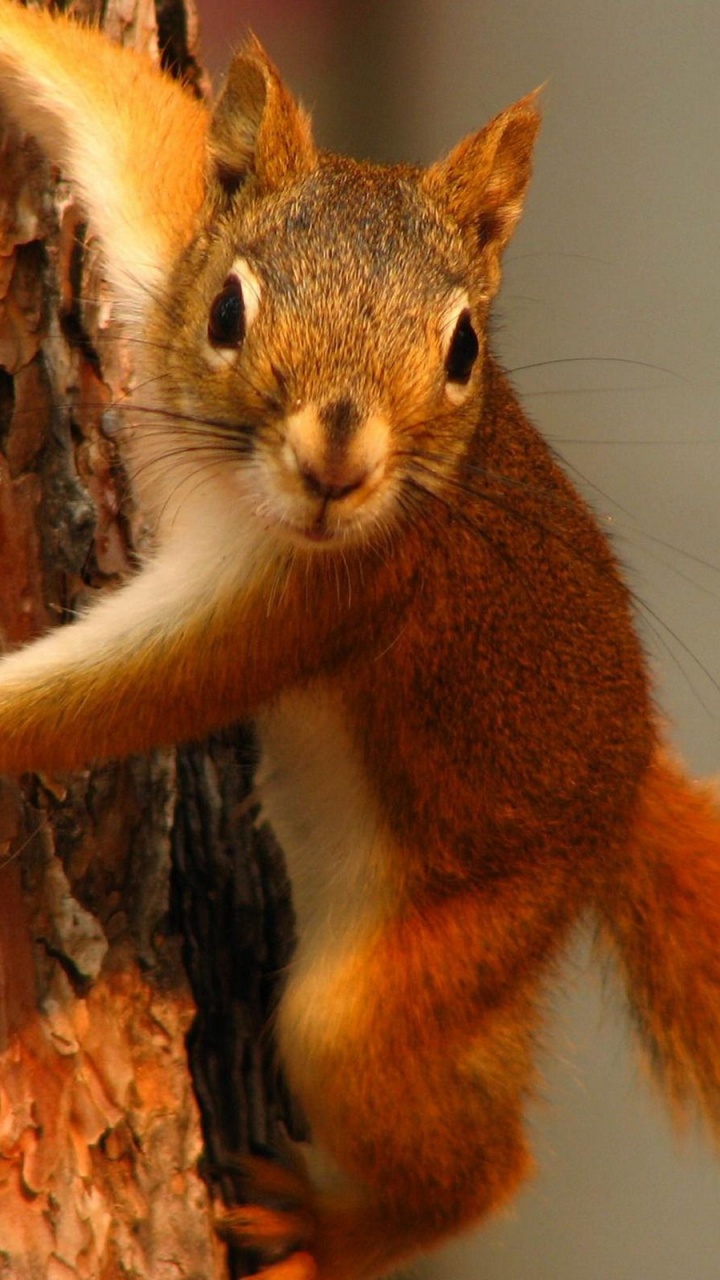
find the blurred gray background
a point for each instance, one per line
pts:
(610, 316)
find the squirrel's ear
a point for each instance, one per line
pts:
(484, 179)
(257, 129)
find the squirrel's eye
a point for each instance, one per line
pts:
(463, 350)
(226, 321)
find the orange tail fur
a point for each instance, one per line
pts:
(660, 913)
(143, 200)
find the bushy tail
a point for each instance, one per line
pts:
(660, 911)
(130, 138)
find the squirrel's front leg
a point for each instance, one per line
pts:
(184, 647)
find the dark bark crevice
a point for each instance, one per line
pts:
(231, 904)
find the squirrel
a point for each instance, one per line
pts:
(361, 542)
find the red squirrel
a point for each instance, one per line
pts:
(360, 541)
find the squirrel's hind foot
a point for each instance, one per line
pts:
(277, 1223)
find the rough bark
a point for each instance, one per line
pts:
(139, 907)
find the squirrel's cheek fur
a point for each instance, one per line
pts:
(370, 550)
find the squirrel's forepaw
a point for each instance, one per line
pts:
(277, 1224)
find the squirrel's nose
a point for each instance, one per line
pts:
(334, 460)
(334, 484)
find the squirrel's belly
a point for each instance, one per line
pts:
(314, 794)
(316, 798)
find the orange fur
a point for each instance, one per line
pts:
(417, 579)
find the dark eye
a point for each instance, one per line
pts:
(226, 321)
(463, 351)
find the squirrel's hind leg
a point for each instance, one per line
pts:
(413, 1074)
(349, 1233)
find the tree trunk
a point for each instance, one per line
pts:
(143, 918)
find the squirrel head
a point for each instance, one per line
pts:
(328, 322)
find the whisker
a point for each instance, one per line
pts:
(485, 473)
(684, 577)
(630, 444)
(638, 364)
(596, 489)
(522, 516)
(477, 530)
(650, 613)
(186, 457)
(670, 546)
(20, 849)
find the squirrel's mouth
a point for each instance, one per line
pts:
(318, 534)
(328, 520)
(321, 533)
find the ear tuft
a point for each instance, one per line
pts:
(484, 179)
(257, 129)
